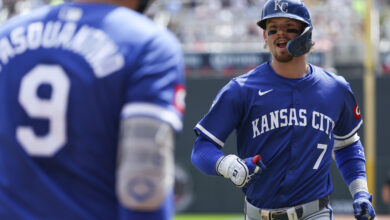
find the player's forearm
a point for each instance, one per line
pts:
(351, 163)
(205, 156)
(145, 165)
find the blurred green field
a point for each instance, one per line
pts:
(209, 217)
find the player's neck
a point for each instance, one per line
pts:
(294, 69)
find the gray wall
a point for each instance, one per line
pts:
(201, 193)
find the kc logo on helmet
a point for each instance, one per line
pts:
(281, 5)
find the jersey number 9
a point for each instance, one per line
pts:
(53, 109)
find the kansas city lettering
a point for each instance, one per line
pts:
(292, 117)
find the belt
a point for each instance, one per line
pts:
(286, 213)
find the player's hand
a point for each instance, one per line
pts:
(255, 165)
(362, 206)
(239, 171)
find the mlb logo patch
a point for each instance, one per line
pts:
(356, 112)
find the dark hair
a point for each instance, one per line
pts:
(143, 4)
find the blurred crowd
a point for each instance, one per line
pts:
(204, 25)
(230, 25)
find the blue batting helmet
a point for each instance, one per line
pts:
(294, 9)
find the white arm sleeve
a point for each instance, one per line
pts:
(145, 167)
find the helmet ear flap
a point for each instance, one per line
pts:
(301, 44)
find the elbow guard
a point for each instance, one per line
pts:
(145, 172)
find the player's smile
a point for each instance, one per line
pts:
(278, 48)
(281, 43)
(278, 33)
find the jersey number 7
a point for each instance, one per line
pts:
(322, 147)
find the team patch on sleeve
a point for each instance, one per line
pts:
(179, 98)
(356, 112)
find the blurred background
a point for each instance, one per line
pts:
(220, 40)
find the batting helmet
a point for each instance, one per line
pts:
(294, 9)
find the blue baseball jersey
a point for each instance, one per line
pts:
(291, 123)
(68, 75)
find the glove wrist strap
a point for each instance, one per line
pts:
(358, 185)
(223, 163)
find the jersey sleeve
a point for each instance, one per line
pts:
(350, 119)
(223, 116)
(156, 85)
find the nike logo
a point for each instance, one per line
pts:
(265, 92)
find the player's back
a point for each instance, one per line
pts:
(65, 74)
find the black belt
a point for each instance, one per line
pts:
(282, 214)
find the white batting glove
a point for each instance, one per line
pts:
(237, 170)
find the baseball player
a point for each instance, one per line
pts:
(288, 116)
(92, 93)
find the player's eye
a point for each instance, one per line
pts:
(271, 32)
(293, 31)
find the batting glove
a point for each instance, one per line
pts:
(362, 206)
(239, 171)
